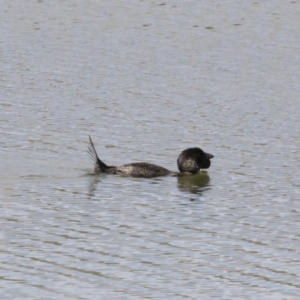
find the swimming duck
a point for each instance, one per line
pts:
(190, 161)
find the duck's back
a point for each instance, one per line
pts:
(141, 169)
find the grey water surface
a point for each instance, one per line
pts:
(147, 79)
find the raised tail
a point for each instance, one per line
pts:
(100, 166)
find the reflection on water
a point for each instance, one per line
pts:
(192, 184)
(195, 184)
(93, 180)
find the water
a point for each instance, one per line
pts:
(147, 80)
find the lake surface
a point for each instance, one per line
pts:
(147, 79)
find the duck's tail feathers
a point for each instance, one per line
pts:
(100, 166)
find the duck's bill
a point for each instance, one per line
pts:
(209, 156)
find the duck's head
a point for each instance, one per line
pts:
(192, 160)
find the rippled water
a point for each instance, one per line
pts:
(146, 80)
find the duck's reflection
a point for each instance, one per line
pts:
(93, 182)
(195, 184)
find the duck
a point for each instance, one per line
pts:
(189, 162)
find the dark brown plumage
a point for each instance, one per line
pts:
(190, 161)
